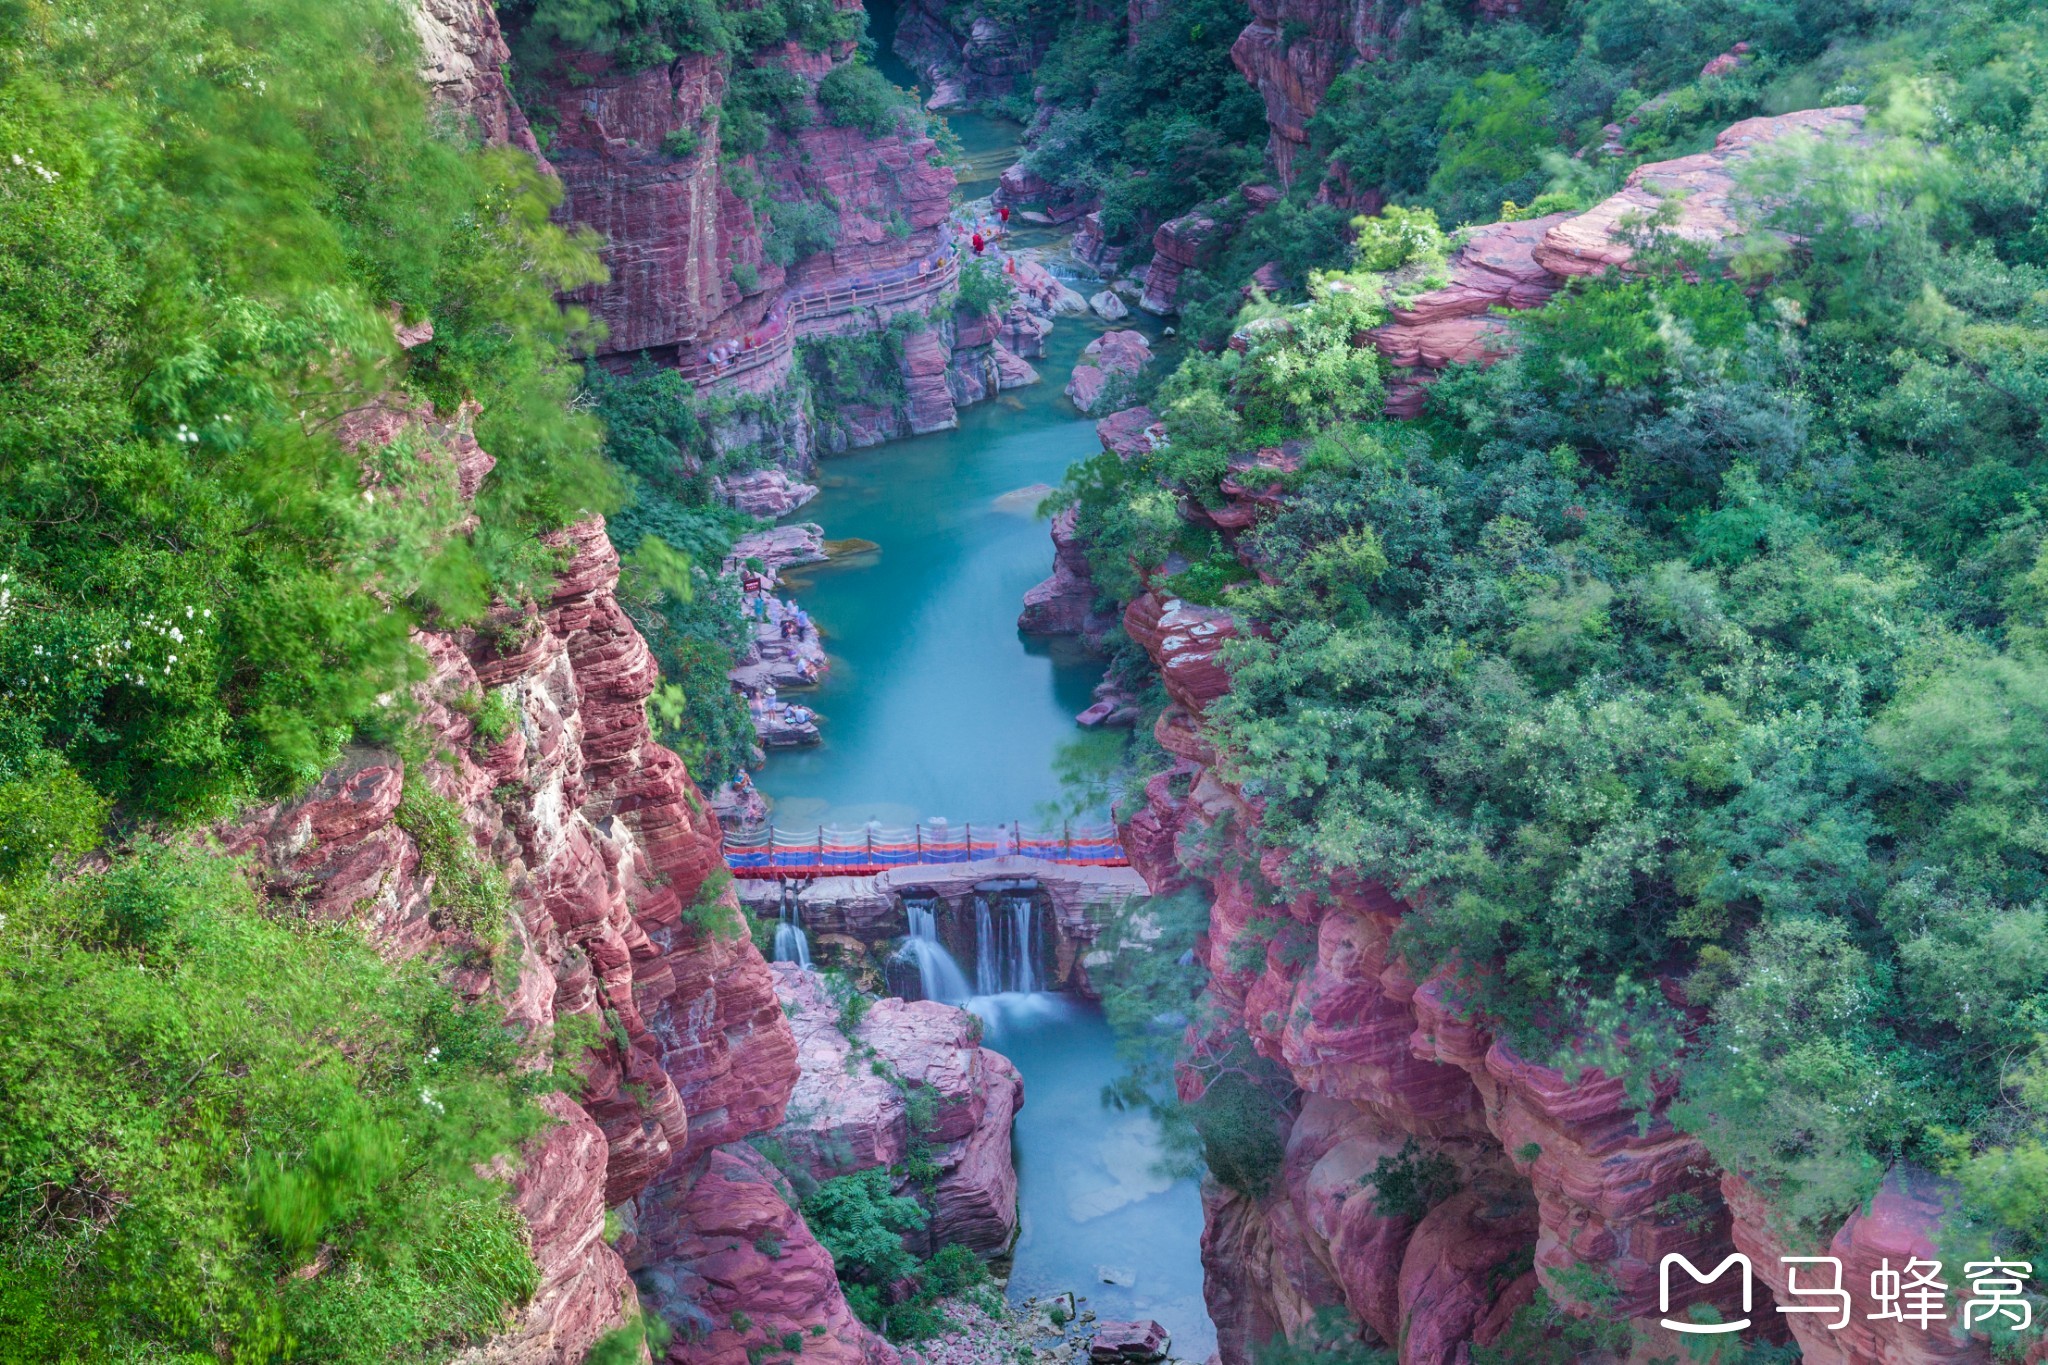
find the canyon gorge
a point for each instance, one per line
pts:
(1486, 652)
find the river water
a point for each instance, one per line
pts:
(936, 706)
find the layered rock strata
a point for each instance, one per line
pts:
(1512, 266)
(844, 1117)
(606, 847)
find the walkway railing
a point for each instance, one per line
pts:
(778, 332)
(825, 303)
(825, 852)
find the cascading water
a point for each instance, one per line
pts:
(1024, 960)
(988, 961)
(939, 977)
(792, 944)
(1005, 946)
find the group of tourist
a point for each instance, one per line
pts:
(984, 234)
(765, 706)
(791, 620)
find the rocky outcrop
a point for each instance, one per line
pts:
(764, 493)
(463, 56)
(737, 1270)
(967, 56)
(1106, 364)
(1134, 1343)
(1293, 49)
(845, 1117)
(1704, 185)
(1062, 604)
(1507, 267)
(1496, 268)
(1181, 244)
(1130, 433)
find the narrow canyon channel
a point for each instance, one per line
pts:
(936, 706)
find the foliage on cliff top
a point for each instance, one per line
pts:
(226, 1133)
(1704, 644)
(644, 33)
(232, 1134)
(206, 210)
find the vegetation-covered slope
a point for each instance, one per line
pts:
(211, 212)
(1687, 669)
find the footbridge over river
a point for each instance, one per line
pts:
(774, 854)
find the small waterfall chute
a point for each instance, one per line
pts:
(939, 977)
(988, 955)
(792, 944)
(1023, 974)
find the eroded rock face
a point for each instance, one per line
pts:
(638, 156)
(766, 493)
(463, 56)
(603, 839)
(1496, 268)
(1293, 49)
(1188, 242)
(967, 56)
(844, 1118)
(738, 1270)
(1509, 267)
(1113, 354)
(1062, 604)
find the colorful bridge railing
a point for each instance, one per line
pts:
(826, 852)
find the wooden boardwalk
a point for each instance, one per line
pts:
(822, 852)
(794, 311)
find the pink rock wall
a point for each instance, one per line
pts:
(844, 1118)
(673, 231)
(604, 840)
(1293, 49)
(1509, 267)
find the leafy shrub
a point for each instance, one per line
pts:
(854, 94)
(861, 1222)
(746, 277)
(680, 143)
(469, 893)
(984, 289)
(799, 228)
(1411, 1182)
(179, 309)
(184, 1131)
(1395, 237)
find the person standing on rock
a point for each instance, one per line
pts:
(979, 243)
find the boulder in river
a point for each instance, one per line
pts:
(1133, 1342)
(1108, 306)
(1112, 353)
(767, 493)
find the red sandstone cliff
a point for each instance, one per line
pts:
(1564, 1183)
(604, 841)
(1508, 267)
(673, 230)
(1293, 49)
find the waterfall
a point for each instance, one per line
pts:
(792, 944)
(1025, 960)
(939, 976)
(988, 958)
(1005, 948)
